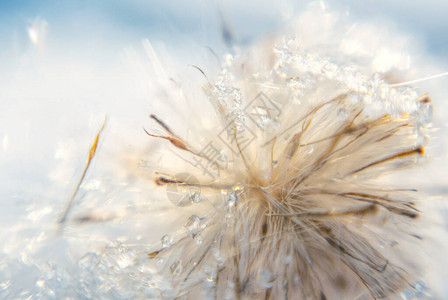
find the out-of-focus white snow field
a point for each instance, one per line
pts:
(65, 65)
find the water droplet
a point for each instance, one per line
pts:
(125, 261)
(176, 268)
(309, 149)
(264, 117)
(203, 224)
(218, 256)
(238, 188)
(196, 197)
(342, 114)
(425, 112)
(40, 283)
(180, 195)
(197, 238)
(193, 223)
(210, 273)
(211, 278)
(231, 199)
(167, 241)
(291, 82)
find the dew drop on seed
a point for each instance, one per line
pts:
(231, 199)
(211, 278)
(309, 149)
(193, 223)
(197, 238)
(263, 116)
(203, 223)
(176, 267)
(210, 273)
(40, 283)
(238, 188)
(167, 241)
(424, 113)
(218, 256)
(125, 261)
(342, 114)
(196, 197)
(291, 82)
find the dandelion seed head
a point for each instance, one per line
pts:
(275, 168)
(294, 208)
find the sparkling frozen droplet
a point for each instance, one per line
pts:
(125, 261)
(193, 223)
(309, 149)
(40, 283)
(231, 199)
(176, 268)
(196, 197)
(167, 241)
(262, 115)
(239, 188)
(203, 224)
(197, 238)
(218, 256)
(342, 114)
(424, 114)
(211, 278)
(210, 273)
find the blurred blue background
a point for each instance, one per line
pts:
(65, 64)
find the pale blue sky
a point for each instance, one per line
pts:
(149, 18)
